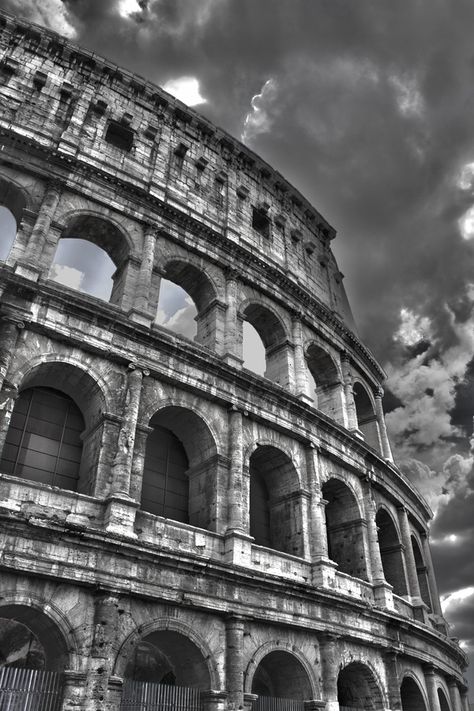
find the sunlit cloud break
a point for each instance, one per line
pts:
(186, 89)
(127, 8)
(259, 120)
(413, 328)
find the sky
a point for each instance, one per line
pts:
(367, 107)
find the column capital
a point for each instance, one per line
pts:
(379, 392)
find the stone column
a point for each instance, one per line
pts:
(140, 310)
(138, 461)
(74, 688)
(386, 449)
(29, 266)
(120, 514)
(106, 620)
(329, 670)
(382, 590)
(237, 539)
(351, 413)
(234, 629)
(410, 565)
(232, 337)
(301, 375)
(431, 575)
(9, 330)
(318, 540)
(393, 683)
(454, 694)
(430, 681)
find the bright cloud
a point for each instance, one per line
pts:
(466, 224)
(185, 89)
(126, 8)
(465, 178)
(453, 599)
(52, 14)
(409, 99)
(69, 276)
(259, 119)
(413, 328)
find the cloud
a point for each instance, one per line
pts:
(185, 89)
(53, 14)
(69, 276)
(259, 119)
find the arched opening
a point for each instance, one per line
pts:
(167, 669)
(411, 696)
(43, 442)
(275, 503)
(180, 468)
(366, 419)
(443, 701)
(92, 257)
(33, 654)
(12, 204)
(253, 350)
(358, 688)
(345, 529)
(273, 337)
(55, 432)
(280, 675)
(327, 383)
(422, 574)
(391, 552)
(187, 303)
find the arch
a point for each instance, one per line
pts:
(25, 625)
(38, 431)
(345, 529)
(12, 203)
(195, 282)
(366, 418)
(358, 687)
(274, 337)
(180, 467)
(106, 235)
(391, 552)
(327, 381)
(280, 670)
(411, 695)
(444, 704)
(169, 636)
(422, 574)
(275, 501)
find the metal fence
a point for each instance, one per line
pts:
(30, 690)
(273, 703)
(146, 696)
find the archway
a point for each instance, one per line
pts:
(443, 701)
(12, 204)
(187, 303)
(345, 529)
(165, 669)
(357, 688)
(275, 507)
(273, 336)
(422, 574)
(280, 675)
(326, 380)
(179, 474)
(33, 653)
(92, 257)
(366, 418)
(411, 696)
(55, 432)
(391, 552)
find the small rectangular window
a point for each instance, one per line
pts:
(261, 222)
(119, 136)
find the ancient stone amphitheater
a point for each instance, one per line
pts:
(178, 532)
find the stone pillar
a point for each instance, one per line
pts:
(74, 687)
(430, 681)
(410, 565)
(9, 330)
(463, 692)
(301, 374)
(329, 670)
(454, 694)
(232, 336)
(434, 594)
(103, 652)
(235, 489)
(393, 682)
(382, 590)
(140, 311)
(379, 414)
(138, 461)
(234, 629)
(120, 514)
(351, 413)
(29, 266)
(318, 540)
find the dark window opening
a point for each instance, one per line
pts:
(119, 136)
(261, 222)
(165, 484)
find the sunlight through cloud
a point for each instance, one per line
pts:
(186, 89)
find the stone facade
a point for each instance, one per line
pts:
(299, 568)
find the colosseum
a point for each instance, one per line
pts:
(179, 532)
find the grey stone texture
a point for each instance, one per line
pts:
(341, 608)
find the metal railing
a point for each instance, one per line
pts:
(147, 696)
(30, 690)
(273, 703)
